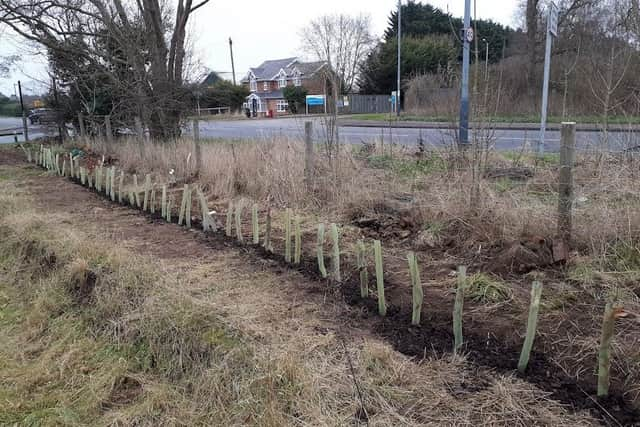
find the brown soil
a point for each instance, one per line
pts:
(490, 342)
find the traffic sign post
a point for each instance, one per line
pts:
(552, 31)
(464, 96)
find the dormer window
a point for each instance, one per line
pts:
(282, 79)
(265, 86)
(297, 79)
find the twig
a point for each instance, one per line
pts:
(355, 380)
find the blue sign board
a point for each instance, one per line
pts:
(315, 99)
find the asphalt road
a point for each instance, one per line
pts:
(503, 139)
(14, 124)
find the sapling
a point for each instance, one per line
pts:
(152, 199)
(320, 251)
(187, 210)
(163, 201)
(335, 259)
(532, 322)
(267, 231)
(229, 227)
(135, 190)
(604, 354)
(147, 189)
(361, 258)
(287, 235)
(112, 185)
(382, 304)
(255, 226)
(183, 205)
(169, 207)
(457, 308)
(416, 286)
(298, 241)
(120, 187)
(239, 210)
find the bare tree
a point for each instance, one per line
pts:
(136, 47)
(343, 42)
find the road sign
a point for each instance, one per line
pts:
(469, 34)
(552, 22)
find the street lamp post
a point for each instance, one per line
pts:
(399, 57)
(467, 36)
(486, 60)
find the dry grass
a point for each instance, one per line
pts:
(218, 343)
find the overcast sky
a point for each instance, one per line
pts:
(260, 30)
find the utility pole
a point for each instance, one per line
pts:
(467, 36)
(552, 30)
(233, 67)
(399, 56)
(24, 115)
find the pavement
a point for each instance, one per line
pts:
(442, 135)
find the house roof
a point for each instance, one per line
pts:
(269, 70)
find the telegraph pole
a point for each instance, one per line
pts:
(24, 115)
(467, 36)
(399, 56)
(233, 67)
(552, 30)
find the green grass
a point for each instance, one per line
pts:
(483, 288)
(407, 168)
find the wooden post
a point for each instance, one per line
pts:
(458, 307)
(382, 304)
(567, 154)
(320, 251)
(416, 286)
(197, 149)
(532, 322)
(308, 153)
(107, 125)
(255, 226)
(335, 259)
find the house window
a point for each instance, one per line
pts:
(297, 81)
(282, 81)
(282, 106)
(253, 85)
(265, 86)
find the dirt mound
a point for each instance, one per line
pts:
(522, 256)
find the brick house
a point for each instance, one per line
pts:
(267, 81)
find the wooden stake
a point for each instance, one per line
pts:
(163, 202)
(121, 187)
(112, 185)
(147, 189)
(135, 190)
(532, 322)
(335, 259)
(183, 205)
(382, 304)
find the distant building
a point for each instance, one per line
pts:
(267, 81)
(211, 79)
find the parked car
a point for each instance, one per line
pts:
(42, 116)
